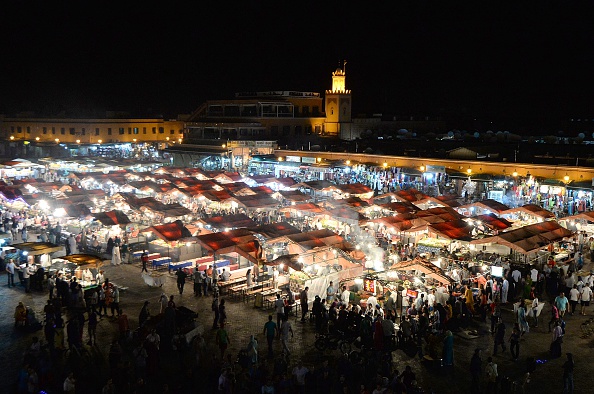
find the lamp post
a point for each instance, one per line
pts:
(566, 181)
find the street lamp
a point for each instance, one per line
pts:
(469, 171)
(385, 165)
(78, 141)
(57, 140)
(12, 137)
(36, 138)
(422, 168)
(99, 141)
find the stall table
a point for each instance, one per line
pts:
(160, 261)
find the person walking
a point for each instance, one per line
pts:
(181, 280)
(499, 336)
(514, 342)
(197, 277)
(303, 300)
(10, 267)
(574, 297)
(557, 340)
(285, 329)
(561, 302)
(205, 283)
(222, 340)
(492, 375)
(568, 367)
(222, 312)
(535, 304)
(279, 306)
(585, 297)
(144, 259)
(215, 308)
(476, 365)
(270, 330)
(522, 322)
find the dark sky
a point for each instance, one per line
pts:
(491, 60)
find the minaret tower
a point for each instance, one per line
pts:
(338, 105)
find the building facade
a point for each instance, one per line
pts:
(91, 131)
(274, 115)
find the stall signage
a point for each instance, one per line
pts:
(308, 160)
(296, 159)
(435, 169)
(369, 285)
(412, 293)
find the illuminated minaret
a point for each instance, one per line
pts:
(338, 105)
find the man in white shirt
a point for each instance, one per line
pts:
(534, 275)
(585, 296)
(574, 296)
(431, 298)
(279, 306)
(225, 275)
(345, 296)
(299, 373)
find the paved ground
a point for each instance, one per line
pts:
(244, 320)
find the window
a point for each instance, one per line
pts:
(144, 130)
(161, 130)
(344, 111)
(83, 131)
(53, 130)
(154, 130)
(181, 131)
(298, 130)
(171, 131)
(136, 130)
(19, 129)
(12, 129)
(121, 131)
(72, 131)
(316, 110)
(331, 111)
(129, 130)
(109, 131)
(28, 130)
(305, 111)
(274, 131)
(97, 131)
(45, 130)
(62, 131)
(286, 130)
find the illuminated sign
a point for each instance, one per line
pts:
(296, 159)
(412, 293)
(369, 285)
(309, 160)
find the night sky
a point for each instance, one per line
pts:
(514, 64)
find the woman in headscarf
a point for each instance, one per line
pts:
(252, 349)
(522, 322)
(448, 348)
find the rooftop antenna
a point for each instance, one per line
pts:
(344, 62)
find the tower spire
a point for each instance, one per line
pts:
(344, 62)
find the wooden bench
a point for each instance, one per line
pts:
(236, 290)
(260, 287)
